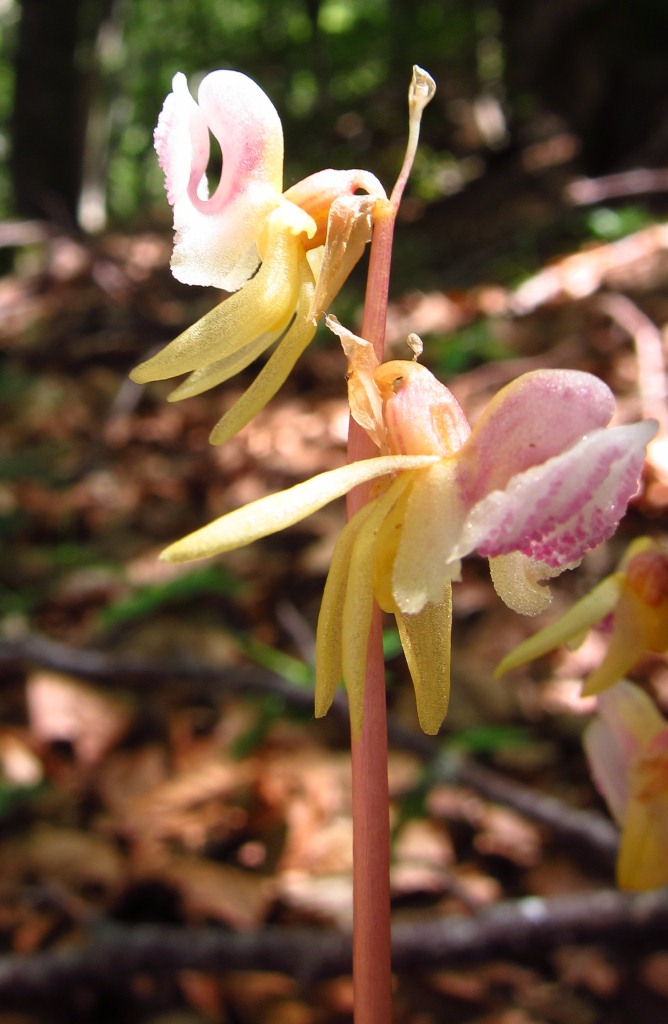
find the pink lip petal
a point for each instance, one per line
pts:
(557, 511)
(215, 238)
(181, 141)
(246, 124)
(536, 417)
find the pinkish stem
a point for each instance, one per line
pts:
(372, 973)
(372, 978)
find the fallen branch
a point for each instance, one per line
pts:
(584, 832)
(111, 670)
(517, 930)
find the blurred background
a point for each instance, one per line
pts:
(82, 83)
(158, 758)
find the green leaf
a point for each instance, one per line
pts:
(608, 225)
(211, 579)
(292, 669)
(488, 739)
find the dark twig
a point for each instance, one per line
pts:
(143, 674)
(586, 831)
(520, 930)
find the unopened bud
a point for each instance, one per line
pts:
(420, 91)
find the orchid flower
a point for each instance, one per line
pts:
(636, 595)
(538, 481)
(627, 749)
(251, 238)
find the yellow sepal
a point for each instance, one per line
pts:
(425, 638)
(265, 304)
(582, 616)
(328, 664)
(358, 605)
(277, 511)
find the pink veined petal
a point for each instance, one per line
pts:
(557, 511)
(631, 717)
(246, 124)
(536, 417)
(422, 416)
(181, 141)
(215, 238)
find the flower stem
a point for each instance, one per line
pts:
(372, 977)
(371, 847)
(372, 974)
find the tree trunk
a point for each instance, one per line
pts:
(52, 93)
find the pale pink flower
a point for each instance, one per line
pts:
(283, 255)
(540, 479)
(627, 749)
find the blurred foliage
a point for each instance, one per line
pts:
(212, 580)
(471, 346)
(490, 739)
(608, 224)
(292, 669)
(337, 71)
(8, 15)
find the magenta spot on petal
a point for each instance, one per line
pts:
(563, 536)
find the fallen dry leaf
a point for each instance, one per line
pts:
(62, 708)
(220, 892)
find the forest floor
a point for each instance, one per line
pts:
(160, 763)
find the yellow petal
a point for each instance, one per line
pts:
(348, 231)
(358, 605)
(626, 646)
(366, 406)
(582, 616)
(387, 546)
(432, 527)
(265, 304)
(276, 370)
(317, 193)
(277, 511)
(328, 665)
(217, 373)
(643, 856)
(425, 638)
(517, 579)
